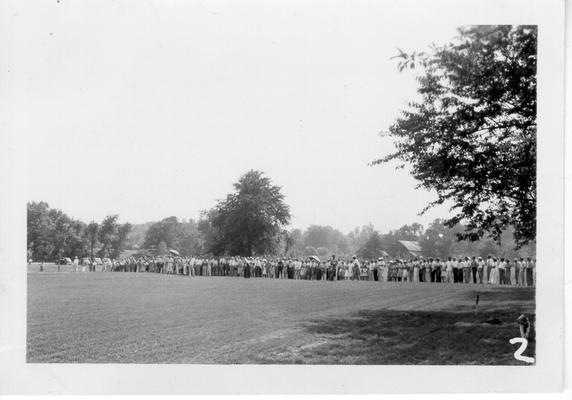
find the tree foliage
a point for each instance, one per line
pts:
(91, 234)
(112, 236)
(179, 235)
(373, 248)
(250, 220)
(472, 135)
(53, 234)
(319, 236)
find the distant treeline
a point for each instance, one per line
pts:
(52, 234)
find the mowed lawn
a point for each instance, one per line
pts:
(149, 318)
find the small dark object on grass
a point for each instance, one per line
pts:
(493, 321)
(524, 326)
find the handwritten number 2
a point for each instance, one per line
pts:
(518, 353)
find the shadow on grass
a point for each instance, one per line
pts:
(523, 296)
(418, 337)
(393, 337)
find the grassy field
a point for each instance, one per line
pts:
(148, 318)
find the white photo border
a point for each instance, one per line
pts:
(18, 377)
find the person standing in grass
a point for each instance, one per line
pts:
(447, 271)
(494, 275)
(355, 269)
(495, 272)
(455, 266)
(490, 264)
(334, 268)
(533, 272)
(463, 270)
(297, 269)
(363, 272)
(520, 272)
(503, 276)
(515, 268)
(428, 270)
(317, 271)
(348, 270)
(528, 272)
(415, 270)
(405, 264)
(431, 267)
(247, 268)
(342, 275)
(480, 270)
(310, 270)
(467, 270)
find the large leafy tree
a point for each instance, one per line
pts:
(250, 220)
(113, 236)
(40, 226)
(471, 137)
(52, 233)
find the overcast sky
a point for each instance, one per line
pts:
(153, 109)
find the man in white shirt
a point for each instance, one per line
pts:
(480, 270)
(490, 264)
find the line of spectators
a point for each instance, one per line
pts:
(476, 270)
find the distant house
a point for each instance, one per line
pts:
(409, 248)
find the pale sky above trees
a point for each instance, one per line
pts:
(152, 110)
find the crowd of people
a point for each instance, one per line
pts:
(476, 270)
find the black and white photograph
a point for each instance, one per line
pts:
(236, 185)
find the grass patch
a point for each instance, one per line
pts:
(150, 318)
(390, 337)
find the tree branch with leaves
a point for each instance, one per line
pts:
(472, 136)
